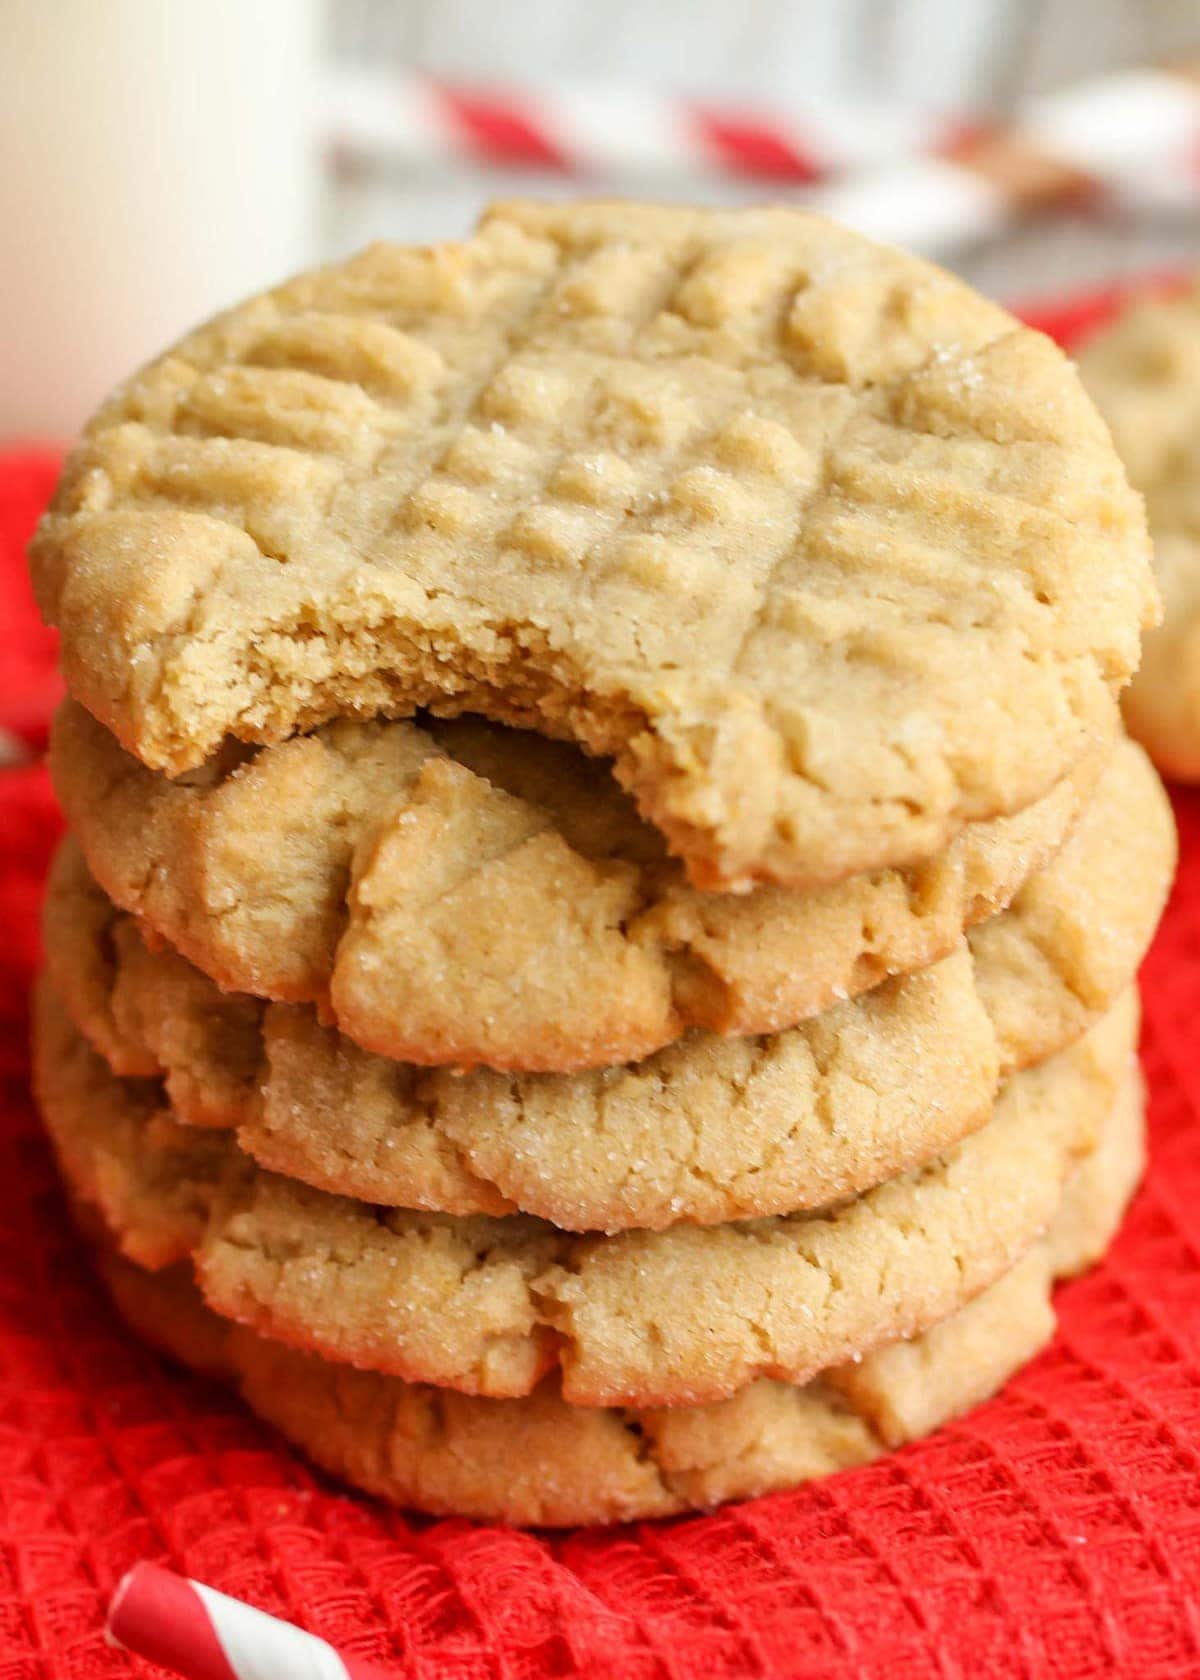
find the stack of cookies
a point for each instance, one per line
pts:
(593, 973)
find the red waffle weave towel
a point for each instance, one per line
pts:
(1055, 1531)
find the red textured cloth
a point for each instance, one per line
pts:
(1055, 1531)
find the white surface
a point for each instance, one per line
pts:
(924, 204)
(970, 54)
(1118, 124)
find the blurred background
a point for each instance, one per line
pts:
(160, 158)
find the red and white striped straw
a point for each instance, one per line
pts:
(201, 1634)
(395, 116)
(924, 179)
(1108, 129)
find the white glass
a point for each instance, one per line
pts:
(156, 163)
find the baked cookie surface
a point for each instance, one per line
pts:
(1144, 375)
(826, 552)
(541, 1461)
(708, 1130)
(492, 1306)
(462, 893)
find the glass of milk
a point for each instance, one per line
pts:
(156, 163)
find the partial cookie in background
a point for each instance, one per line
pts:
(491, 1306)
(708, 1130)
(466, 894)
(1144, 374)
(829, 554)
(541, 1461)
